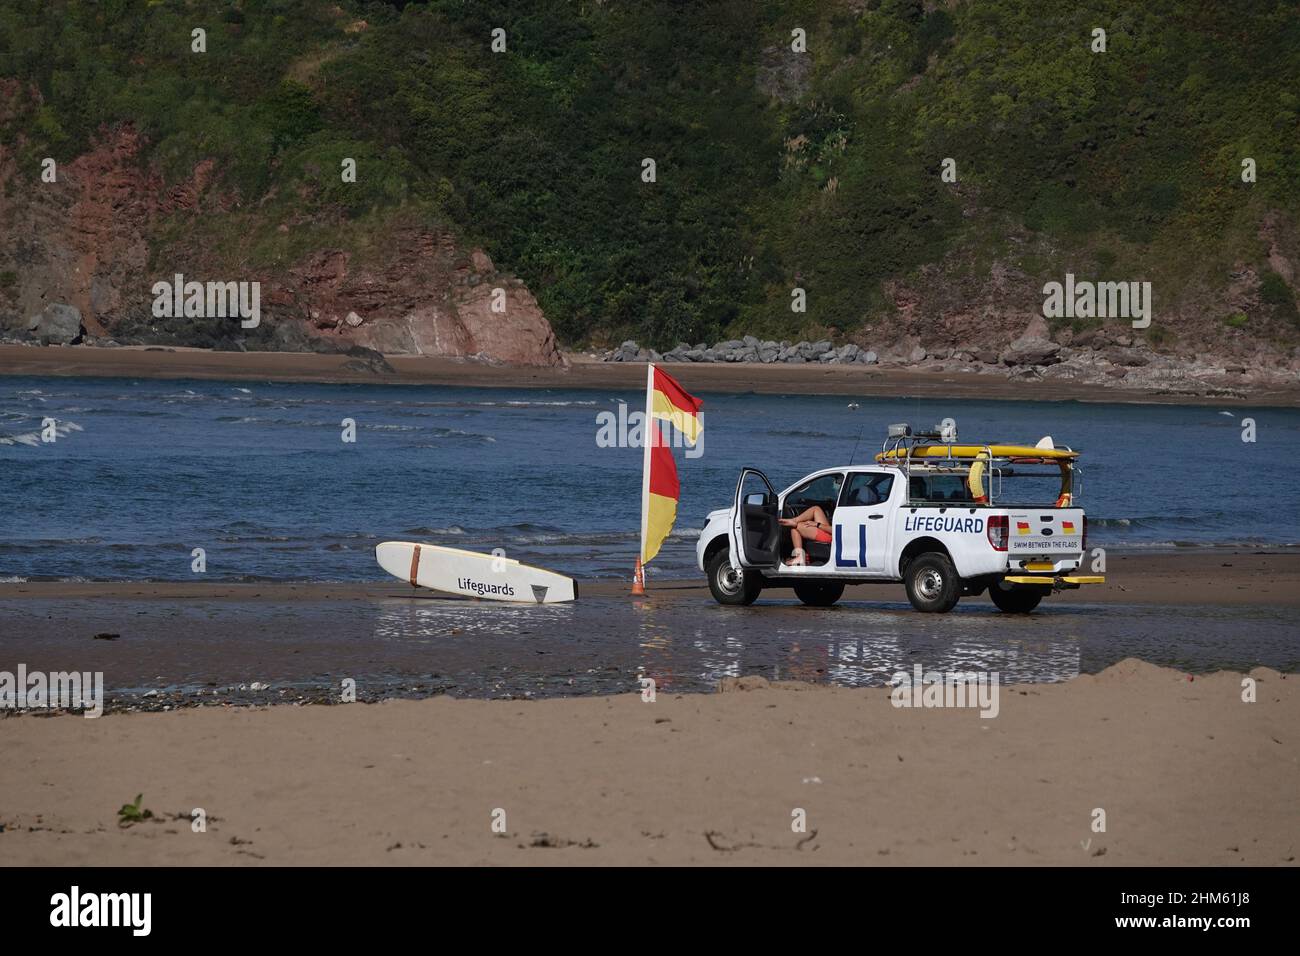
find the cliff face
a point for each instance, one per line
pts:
(431, 298)
(108, 228)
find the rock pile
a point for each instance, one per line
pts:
(748, 349)
(1097, 356)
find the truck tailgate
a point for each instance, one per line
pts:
(1050, 533)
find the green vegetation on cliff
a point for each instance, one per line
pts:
(773, 168)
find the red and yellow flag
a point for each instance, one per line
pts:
(660, 490)
(672, 403)
(659, 508)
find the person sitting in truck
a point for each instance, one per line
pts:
(811, 524)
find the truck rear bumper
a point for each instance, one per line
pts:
(1058, 582)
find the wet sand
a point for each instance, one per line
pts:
(1186, 772)
(163, 646)
(1222, 577)
(584, 373)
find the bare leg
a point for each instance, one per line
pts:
(797, 555)
(803, 517)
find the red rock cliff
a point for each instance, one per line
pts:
(94, 239)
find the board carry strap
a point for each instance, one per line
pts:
(415, 565)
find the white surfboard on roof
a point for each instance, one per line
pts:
(472, 574)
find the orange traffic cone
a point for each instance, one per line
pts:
(638, 580)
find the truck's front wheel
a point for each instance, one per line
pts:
(1015, 599)
(819, 593)
(729, 585)
(932, 583)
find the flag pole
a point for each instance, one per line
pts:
(638, 579)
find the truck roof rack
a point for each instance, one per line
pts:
(938, 452)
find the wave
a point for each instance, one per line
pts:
(434, 431)
(37, 438)
(50, 542)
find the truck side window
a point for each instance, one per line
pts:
(939, 488)
(823, 490)
(867, 489)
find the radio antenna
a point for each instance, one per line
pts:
(855, 445)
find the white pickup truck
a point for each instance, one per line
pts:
(929, 513)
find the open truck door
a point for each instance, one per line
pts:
(755, 524)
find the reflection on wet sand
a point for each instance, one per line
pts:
(212, 650)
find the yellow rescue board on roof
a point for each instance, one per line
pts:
(979, 451)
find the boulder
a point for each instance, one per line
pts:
(1035, 331)
(363, 359)
(1040, 353)
(1127, 358)
(56, 324)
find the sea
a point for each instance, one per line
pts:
(262, 478)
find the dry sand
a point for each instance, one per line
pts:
(1186, 772)
(1217, 577)
(141, 362)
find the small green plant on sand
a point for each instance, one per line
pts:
(1236, 320)
(133, 812)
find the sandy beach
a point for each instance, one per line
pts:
(687, 779)
(1185, 770)
(583, 372)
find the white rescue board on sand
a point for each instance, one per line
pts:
(472, 574)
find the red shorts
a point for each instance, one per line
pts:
(823, 537)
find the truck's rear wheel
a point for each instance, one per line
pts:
(932, 583)
(729, 585)
(1016, 598)
(819, 593)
